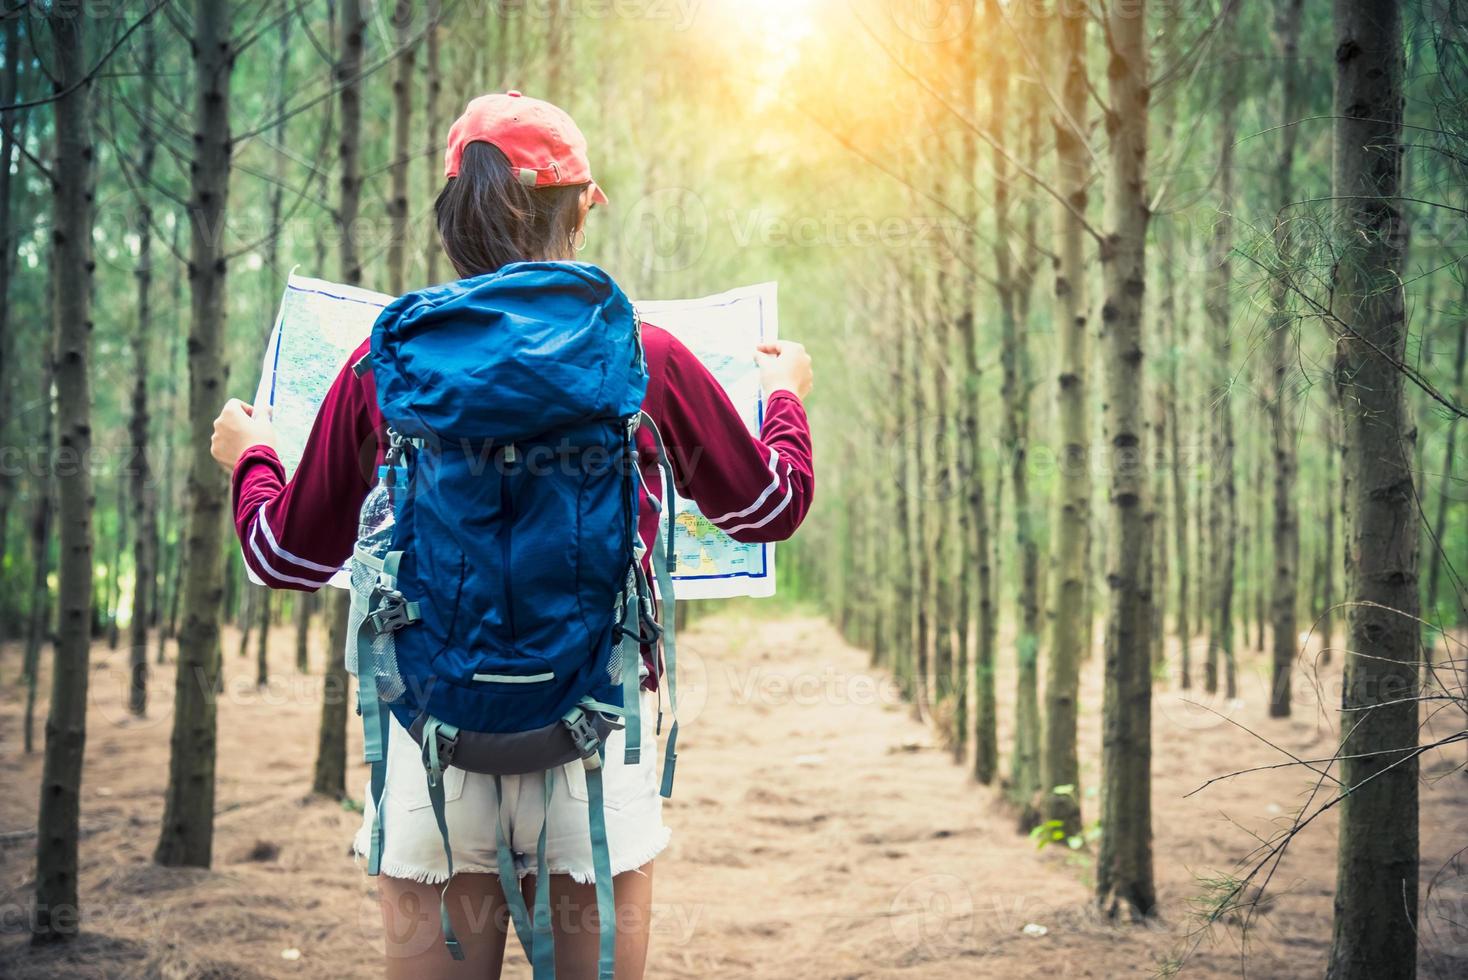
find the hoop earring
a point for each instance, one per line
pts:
(571, 240)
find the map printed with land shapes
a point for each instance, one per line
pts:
(320, 323)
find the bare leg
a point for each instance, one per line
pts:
(578, 928)
(414, 941)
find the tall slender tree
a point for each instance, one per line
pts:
(1070, 630)
(187, 836)
(404, 67)
(56, 913)
(331, 778)
(1012, 283)
(43, 508)
(1375, 927)
(144, 495)
(1435, 560)
(978, 541)
(9, 87)
(433, 123)
(1223, 503)
(1285, 546)
(1124, 865)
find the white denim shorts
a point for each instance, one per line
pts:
(413, 849)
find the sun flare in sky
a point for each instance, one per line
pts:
(779, 25)
(774, 33)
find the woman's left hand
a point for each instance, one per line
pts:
(237, 429)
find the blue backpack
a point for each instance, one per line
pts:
(499, 606)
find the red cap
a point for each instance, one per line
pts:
(542, 143)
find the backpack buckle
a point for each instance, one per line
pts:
(393, 611)
(584, 736)
(446, 745)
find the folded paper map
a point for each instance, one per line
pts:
(320, 323)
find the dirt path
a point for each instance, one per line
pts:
(818, 833)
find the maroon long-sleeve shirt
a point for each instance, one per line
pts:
(296, 534)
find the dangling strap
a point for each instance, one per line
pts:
(630, 650)
(434, 765)
(670, 666)
(587, 741)
(601, 862)
(509, 877)
(544, 960)
(375, 722)
(664, 561)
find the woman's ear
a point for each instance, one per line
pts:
(583, 208)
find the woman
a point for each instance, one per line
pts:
(519, 188)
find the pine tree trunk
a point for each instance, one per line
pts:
(922, 558)
(42, 514)
(1375, 928)
(331, 763)
(1258, 572)
(114, 567)
(402, 154)
(1444, 486)
(303, 602)
(43, 511)
(246, 619)
(262, 643)
(1171, 387)
(906, 522)
(432, 90)
(56, 912)
(1070, 631)
(187, 837)
(330, 778)
(1015, 385)
(980, 543)
(1223, 505)
(144, 493)
(1159, 571)
(9, 86)
(175, 511)
(348, 76)
(1285, 546)
(1124, 865)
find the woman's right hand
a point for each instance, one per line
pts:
(784, 366)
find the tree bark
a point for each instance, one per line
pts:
(1124, 865)
(262, 641)
(56, 913)
(187, 836)
(1070, 632)
(1015, 386)
(980, 543)
(348, 76)
(432, 90)
(1285, 547)
(9, 86)
(144, 492)
(1375, 928)
(1223, 505)
(303, 602)
(1445, 483)
(42, 514)
(330, 776)
(402, 154)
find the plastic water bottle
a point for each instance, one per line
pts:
(375, 523)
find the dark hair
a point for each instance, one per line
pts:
(487, 218)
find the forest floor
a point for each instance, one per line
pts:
(818, 831)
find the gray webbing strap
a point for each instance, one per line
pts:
(509, 877)
(630, 650)
(434, 766)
